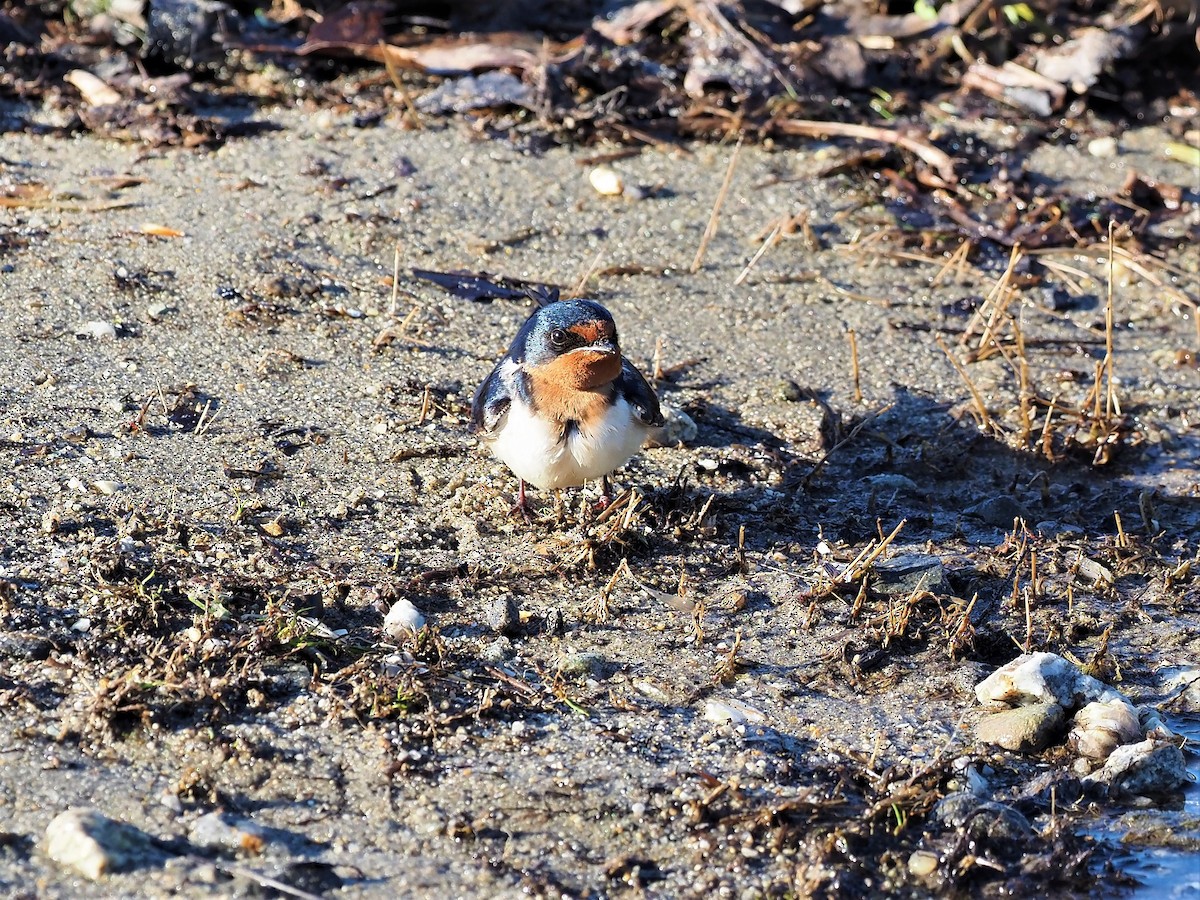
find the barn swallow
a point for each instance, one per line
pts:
(563, 406)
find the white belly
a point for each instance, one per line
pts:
(537, 452)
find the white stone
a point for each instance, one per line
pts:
(1103, 726)
(92, 844)
(733, 711)
(1043, 678)
(1147, 768)
(606, 182)
(97, 330)
(402, 619)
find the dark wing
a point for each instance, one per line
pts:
(637, 391)
(490, 405)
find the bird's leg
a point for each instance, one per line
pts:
(558, 507)
(521, 507)
(605, 494)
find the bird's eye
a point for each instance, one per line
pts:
(558, 338)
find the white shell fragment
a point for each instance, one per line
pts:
(105, 487)
(402, 619)
(97, 330)
(607, 182)
(732, 711)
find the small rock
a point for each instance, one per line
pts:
(93, 845)
(1102, 147)
(791, 392)
(999, 512)
(678, 428)
(732, 711)
(922, 863)
(216, 831)
(652, 691)
(606, 181)
(910, 572)
(582, 665)
(97, 330)
(498, 651)
(1103, 726)
(105, 487)
(502, 615)
(1182, 682)
(24, 645)
(891, 482)
(1153, 725)
(1024, 729)
(1051, 786)
(1149, 768)
(982, 819)
(402, 620)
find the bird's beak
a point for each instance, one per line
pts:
(604, 345)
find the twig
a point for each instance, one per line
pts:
(855, 571)
(1110, 399)
(927, 153)
(711, 228)
(771, 240)
(844, 441)
(587, 274)
(262, 880)
(858, 396)
(395, 280)
(985, 419)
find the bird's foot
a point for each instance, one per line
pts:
(521, 507)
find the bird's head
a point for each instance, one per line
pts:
(572, 342)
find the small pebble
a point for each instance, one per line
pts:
(97, 330)
(922, 863)
(606, 182)
(502, 615)
(402, 620)
(732, 711)
(1102, 147)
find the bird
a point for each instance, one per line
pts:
(563, 406)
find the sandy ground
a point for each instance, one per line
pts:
(273, 445)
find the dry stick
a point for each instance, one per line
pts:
(410, 111)
(1110, 400)
(1023, 378)
(858, 396)
(1000, 297)
(1028, 624)
(587, 274)
(395, 280)
(771, 240)
(844, 441)
(985, 419)
(997, 289)
(711, 228)
(875, 554)
(954, 263)
(658, 373)
(927, 153)
(261, 879)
